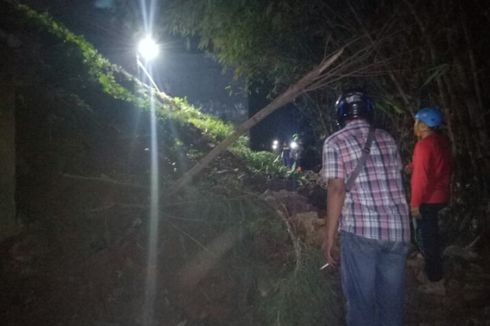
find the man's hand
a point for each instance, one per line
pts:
(408, 168)
(415, 212)
(335, 201)
(331, 252)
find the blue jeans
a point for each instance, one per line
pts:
(373, 280)
(428, 239)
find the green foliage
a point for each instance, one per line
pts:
(306, 296)
(389, 107)
(111, 78)
(260, 162)
(99, 67)
(216, 128)
(254, 37)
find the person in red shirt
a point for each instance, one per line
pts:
(430, 188)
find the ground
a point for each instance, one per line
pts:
(60, 272)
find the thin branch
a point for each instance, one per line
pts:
(196, 241)
(390, 73)
(103, 179)
(283, 213)
(118, 205)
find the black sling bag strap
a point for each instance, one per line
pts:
(362, 160)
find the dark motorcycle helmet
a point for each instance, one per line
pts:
(354, 104)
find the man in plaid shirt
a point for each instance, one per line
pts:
(372, 216)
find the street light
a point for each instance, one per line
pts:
(149, 50)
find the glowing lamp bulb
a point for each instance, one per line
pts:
(148, 48)
(293, 145)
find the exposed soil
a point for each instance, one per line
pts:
(86, 265)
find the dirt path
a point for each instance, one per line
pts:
(467, 293)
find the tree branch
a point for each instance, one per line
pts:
(288, 96)
(104, 179)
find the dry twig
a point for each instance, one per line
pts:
(103, 179)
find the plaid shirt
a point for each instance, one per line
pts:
(376, 206)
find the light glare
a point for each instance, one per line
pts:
(148, 48)
(275, 144)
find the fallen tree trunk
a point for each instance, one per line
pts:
(288, 96)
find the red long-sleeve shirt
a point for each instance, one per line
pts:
(431, 171)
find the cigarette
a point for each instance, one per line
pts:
(324, 266)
